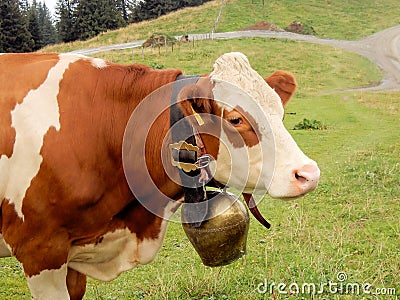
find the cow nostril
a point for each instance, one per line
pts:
(300, 178)
(307, 177)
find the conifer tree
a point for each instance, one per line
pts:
(122, 7)
(95, 16)
(109, 15)
(86, 23)
(66, 21)
(33, 26)
(24, 7)
(1, 37)
(150, 9)
(83, 19)
(15, 36)
(46, 26)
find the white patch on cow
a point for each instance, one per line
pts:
(5, 249)
(98, 63)
(31, 119)
(49, 284)
(244, 159)
(288, 158)
(234, 69)
(271, 162)
(118, 251)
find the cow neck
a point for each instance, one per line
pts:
(182, 132)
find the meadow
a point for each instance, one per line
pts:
(344, 235)
(339, 19)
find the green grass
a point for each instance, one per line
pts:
(349, 224)
(318, 69)
(340, 19)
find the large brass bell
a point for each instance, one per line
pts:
(221, 238)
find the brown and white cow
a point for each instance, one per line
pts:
(67, 211)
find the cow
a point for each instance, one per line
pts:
(67, 210)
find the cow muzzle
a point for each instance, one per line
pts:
(306, 178)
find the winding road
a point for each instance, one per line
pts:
(382, 48)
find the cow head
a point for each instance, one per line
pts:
(255, 153)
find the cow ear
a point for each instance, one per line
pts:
(284, 83)
(195, 99)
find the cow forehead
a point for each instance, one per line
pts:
(236, 83)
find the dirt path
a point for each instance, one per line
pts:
(382, 48)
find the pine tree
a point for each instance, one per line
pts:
(86, 23)
(109, 17)
(15, 36)
(1, 37)
(95, 16)
(123, 8)
(46, 26)
(66, 20)
(24, 7)
(150, 9)
(33, 26)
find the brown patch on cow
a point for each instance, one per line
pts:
(141, 221)
(241, 128)
(30, 240)
(210, 134)
(76, 284)
(198, 98)
(7, 132)
(19, 74)
(284, 83)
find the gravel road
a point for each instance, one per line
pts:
(382, 48)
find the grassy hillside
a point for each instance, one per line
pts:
(341, 19)
(318, 69)
(349, 225)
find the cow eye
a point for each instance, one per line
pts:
(236, 121)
